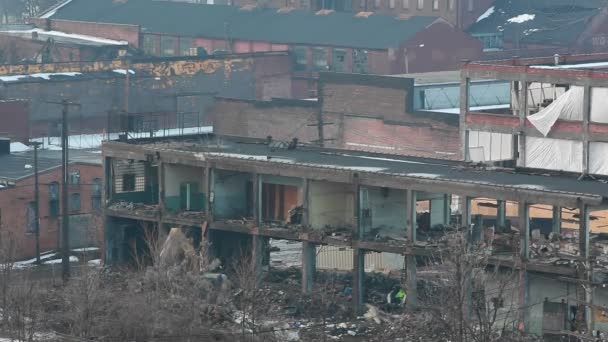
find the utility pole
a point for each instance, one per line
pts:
(65, 225)
(37, 201)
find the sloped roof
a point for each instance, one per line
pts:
(221, 21)
(547, 22)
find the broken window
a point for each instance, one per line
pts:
(360, 61)
(339, 60)
(167, 46)
(299, 56)
(420, 4)
(435, 5)
(406, 4)
(128, 182)
(75, 177)
(96, 194)
(185, 43)
(53, 199)
(75, 202)
(31, 217)
(149, 44)
(319, 59)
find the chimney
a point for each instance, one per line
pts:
(5, 146)
(34, 35)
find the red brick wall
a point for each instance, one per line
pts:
(439, 47)
(14, 202)
(14, 116)
(129, 33)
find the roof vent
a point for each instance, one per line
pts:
(35, 35)
(325, 12)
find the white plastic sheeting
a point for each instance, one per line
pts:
(598, 158)
(568, 106)
(599, 105)
(554, 154)
(488, 146)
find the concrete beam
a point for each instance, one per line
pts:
(308, 266)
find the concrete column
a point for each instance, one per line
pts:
(410, 260)
(257, 199)
(465, 209)
(501, 214)
(586, 272)
(522, 110)
(447, 209)
(258, 246)
(465, 86)
(209, 191)
(309, 256)
(524, 252)
(586, 120)
(358, 280)
(556, 224)
(304, 200)
(477, 229)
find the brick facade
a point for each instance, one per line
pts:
(14, 210)
(14, 116)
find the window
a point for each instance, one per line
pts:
(75, 177)
(319, 59)
(363, 3)
(185, 44)
(451, 5)
(299, 56)
(391, 3)
(406, 4)
(54, 199)
(360, 61)
(491, 41)
(96, 194)
(378, 4)
(435, 5)
(339, 60)
(31, 218)
(167, 46)
(420, 4)
(75, 202)
(128, 182)
(150, 46)
(470, 6)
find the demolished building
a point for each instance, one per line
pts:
(238, 192)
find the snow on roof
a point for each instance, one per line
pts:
(19, 147)
(473, 109)
(573, 66)
(123, 71)
(66, 37)
(486, 14)
(45, 76)
(522, 18)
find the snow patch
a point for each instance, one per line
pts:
(58, 261)
(43, 33)
(95, 262)
(486, 14)
(46, 76)
(19, 147)
(522, 18)
(424, 175)
(28, 166)
(124, 71)
(85, 249)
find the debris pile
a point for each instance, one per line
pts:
(137, 208)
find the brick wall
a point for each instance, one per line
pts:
(14, 116)
(14, 203)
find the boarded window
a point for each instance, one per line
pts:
(167, 46)
(299, 58)
(391, 3)
(319, 59)
(339, 60)
(435, 5)
(420, 4)
(31, 217)
(128, 182)
(150, 46)
(406, 4)
(75, 177)
(185, 44)
(451, 5)
(75, 202)
(360, 61)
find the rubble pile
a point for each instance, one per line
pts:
(554, 248)
(191, 215)
(137, 208)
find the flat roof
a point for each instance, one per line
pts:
(406, 167)
(63, 37)
(435, 77)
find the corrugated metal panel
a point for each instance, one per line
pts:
(341, 258)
